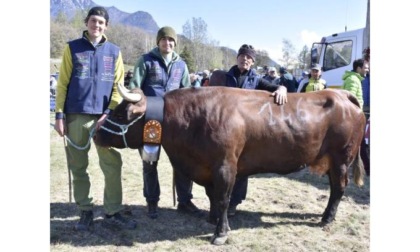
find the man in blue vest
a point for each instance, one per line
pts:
(155, 73)
(242, 75)
(86, 93)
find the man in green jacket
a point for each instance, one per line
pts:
(353, 79)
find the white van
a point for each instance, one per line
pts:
(336, 54)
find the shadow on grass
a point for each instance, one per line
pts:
(360, 195)
(169, 226)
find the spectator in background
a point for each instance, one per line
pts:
(353, 79)
(366, 93)
(195, 81)
(315, 83)
(353, 83)
(127, 78)
(303, 76)
(265, 71)
(53, 86)
(272, 75)
(303, 80)
(206, 78)
(287, 80)
(242, 75)
(173, 74)
(78, 112)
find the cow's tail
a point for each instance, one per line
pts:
(358, 170)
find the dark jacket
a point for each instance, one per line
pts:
(289, 81)
(248, 80)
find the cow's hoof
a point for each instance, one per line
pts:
(218, 240)
(326, 226)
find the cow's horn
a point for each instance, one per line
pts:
(125, 93)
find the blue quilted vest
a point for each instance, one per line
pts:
(159, 80)
(92, 78)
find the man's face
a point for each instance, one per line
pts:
(315, 74)
(363, 70)
(96, 26)
(244, 62)
(166, 45)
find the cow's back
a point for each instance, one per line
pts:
(207, 126)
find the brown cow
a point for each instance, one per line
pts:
(212, 134)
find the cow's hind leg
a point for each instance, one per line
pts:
(338, 181)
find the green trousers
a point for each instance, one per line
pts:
(79, 127)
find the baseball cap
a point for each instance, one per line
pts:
(316, 67)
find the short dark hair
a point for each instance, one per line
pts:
(358, 63)
(98, 11)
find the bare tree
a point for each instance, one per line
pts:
(132, 41)
(289, 59)
(196, 32)
(304, 58)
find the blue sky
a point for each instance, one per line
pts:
(263, 24)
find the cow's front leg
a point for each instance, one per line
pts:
(213, 215)
(223, 186)
(221, 234)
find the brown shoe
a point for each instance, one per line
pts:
(190, 208)
(152, 209)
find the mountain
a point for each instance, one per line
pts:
(138, 19)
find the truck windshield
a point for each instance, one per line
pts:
(337, 55)
(315, 52)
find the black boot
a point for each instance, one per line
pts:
(85, 222)
(189, 208)
(152, 209)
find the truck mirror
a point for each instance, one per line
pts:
(314, 53)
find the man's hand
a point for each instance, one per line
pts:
(60, 127)
(280, 95)
(100, 121)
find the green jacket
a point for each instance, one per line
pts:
(353, 83)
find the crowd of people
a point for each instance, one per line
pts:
(157, 72)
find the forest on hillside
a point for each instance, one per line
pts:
(194, 45)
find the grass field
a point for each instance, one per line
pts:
(281, 213)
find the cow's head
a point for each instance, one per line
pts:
(124, 126)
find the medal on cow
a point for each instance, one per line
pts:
(152, 134)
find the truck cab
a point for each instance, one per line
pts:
(336, 54)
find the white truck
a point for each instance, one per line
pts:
(336, 53)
